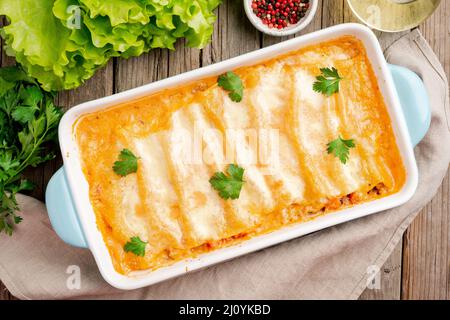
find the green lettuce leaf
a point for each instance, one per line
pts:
(118, 11)
(34, 31)
(62, 43)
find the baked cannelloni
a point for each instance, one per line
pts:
(192, 169)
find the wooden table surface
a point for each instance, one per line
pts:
(419, 268)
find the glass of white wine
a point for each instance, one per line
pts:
(393, 15)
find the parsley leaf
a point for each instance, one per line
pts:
(229, 186)
(136, 246)
(31, 96)
(232, 83)
(127, 163)
(340, 148)
(28, 122)
(24, 114)
(328, 82)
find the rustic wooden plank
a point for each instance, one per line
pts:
(390, 279)
(426, 257)
(183, 59)
(348, 14)
(5, 60)
(437, 32)
(141, 70)
(332, 12)
(426, 250)
(233, 34)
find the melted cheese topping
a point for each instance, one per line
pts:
(170, 203)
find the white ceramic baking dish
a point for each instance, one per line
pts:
(67, 195)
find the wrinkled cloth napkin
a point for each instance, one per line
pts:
(333, 263)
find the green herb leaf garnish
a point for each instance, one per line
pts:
(340, 148)
(229, 186)
(232, 83)
(136, 246)
(126, 164)
(328, 82)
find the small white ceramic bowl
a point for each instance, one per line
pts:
(257, 22)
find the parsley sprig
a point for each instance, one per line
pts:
(127, 163)
(228, 185)
(328, 82)
(136, 246)
(28, 123)
(340, 148)
(233, 84)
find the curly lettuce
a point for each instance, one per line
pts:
(62, 43)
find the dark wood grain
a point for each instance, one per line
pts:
(233, 34)
(426, 249)
(390, 279)
(426, 254)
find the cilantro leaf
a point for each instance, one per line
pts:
(328, 82)
(229, 186)
(340, 148)
(126, 164)
(232, 83)
(136, 246)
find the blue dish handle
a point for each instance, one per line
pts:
(414, 100)
(415, 105)
(61, 211)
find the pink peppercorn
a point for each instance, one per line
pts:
(280, 13)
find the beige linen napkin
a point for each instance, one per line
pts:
(36, 264)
